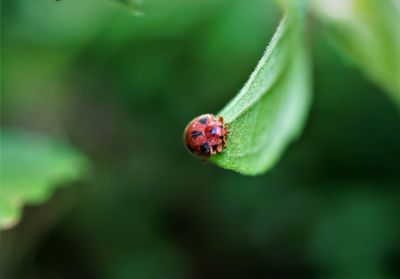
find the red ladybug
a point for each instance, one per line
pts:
(205, 136)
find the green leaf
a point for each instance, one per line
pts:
(269, 111)
(32, 166)
(367, 33)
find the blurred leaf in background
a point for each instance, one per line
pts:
(136, 6)
(367, 33)
(32, 166)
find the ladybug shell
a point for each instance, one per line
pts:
(205, 135)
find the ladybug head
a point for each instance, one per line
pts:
(215, 130)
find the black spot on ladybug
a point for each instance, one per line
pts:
(221, 137)
(195, 134)
(203, 120)
(205, 148)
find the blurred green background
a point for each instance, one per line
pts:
(121, 87)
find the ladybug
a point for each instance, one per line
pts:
(205, 135)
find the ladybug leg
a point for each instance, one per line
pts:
(226, 128)
(226, 133)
